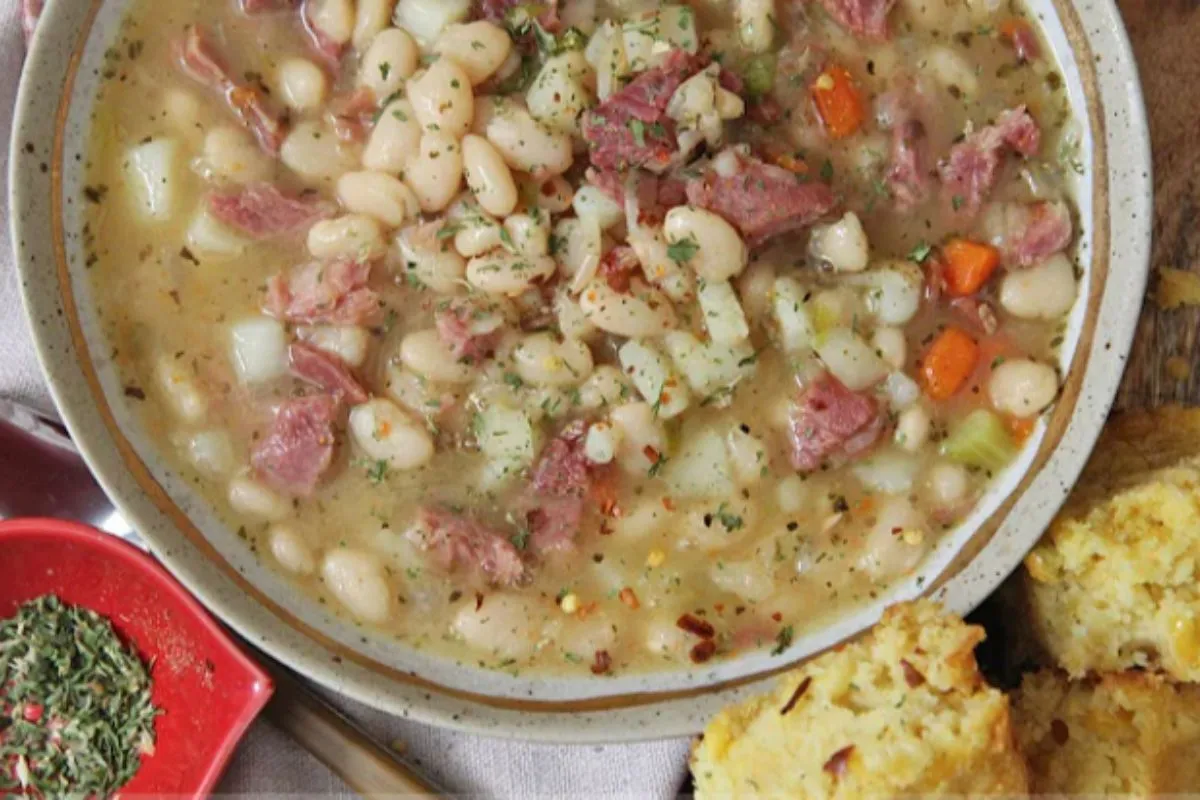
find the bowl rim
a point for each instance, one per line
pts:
(645, 716)
(58, 531)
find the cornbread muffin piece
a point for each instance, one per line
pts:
(1129, 733)
(1113, 584)
(902, 711)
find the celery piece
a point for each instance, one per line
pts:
(980, 440)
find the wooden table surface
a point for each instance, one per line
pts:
(1166, 42)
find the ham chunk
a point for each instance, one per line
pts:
(31, 10)
(559, 487)
(907, 176)
(325, 371)
(972, 169)
(761, 200)
(619, 266)
(1027, 233)
(458, 541)
(202, 63)
(866, 19)
(832, 424)
(298, 448)
(333, 294)
(264, 212)
(470, 331)
(631, 128)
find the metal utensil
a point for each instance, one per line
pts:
(43, 475)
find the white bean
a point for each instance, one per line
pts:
(435, 175)
(182, 111)
(425, 353)
(350, 236)
(504, 626)
(709, 368)
(478, 47)
(888, 554)
(501, 272)
(755, 286)
(543, 361)
(478, 235)
(384, 432)
(528, 234)
(591, 202)
(717, 250)
(555, 194)
(891, 345)
(951, 69)
(579, 247)
(526, 144)
(559, 93)
(894, 291)
(641, 434)
(722, 311)
(232, 155)
(395, 140)
(601, 443)
(313, 151)
(1023, 388)
(248, 496)
(1044, 291)
(747, 456)
(348, 342)
(378, 195)
(947, 485)
(357, 580)
(210, 452)
(302, 84)
(791, 494)
(642, 312)
(441, 97)
(371, 18)
(333, 18)
(426, 19)
(676, 280)
(755, 24)
(913, 428)
(430, 261)
(391, 59)
(488, 177)
(842, 245)
(572, 322)
(181, 390)
(290, 550)
(606, 387)
(211, 238)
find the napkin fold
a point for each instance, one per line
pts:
(268, 763)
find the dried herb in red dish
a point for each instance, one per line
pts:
(76, 716)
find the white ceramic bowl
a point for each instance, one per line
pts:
(50, 138)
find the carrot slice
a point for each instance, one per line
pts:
(838, 101)
(968, 265)
(1020, 428)
(948, 363)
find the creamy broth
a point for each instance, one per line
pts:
(648, 386)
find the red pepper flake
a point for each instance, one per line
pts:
(629, 598)
(912, 675)
(668, 503)
(719, 608)
(796, 695)
(777, 617)
(650, 453)
(839, 762)
(478, 600)
(703, 651)
(1059, 732)
(696, 627)
(601, 662)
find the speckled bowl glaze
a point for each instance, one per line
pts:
(53, 118)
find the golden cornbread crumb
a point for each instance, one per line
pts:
(902, 711)
(1130, 733)
(1113, 583)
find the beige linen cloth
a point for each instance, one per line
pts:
(267, 763)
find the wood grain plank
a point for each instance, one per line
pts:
(1165, 35)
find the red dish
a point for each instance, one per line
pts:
(208, 689)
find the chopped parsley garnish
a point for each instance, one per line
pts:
(732, 522)
(448, 231)
(385, 69)
(827, 170)
(513, 380)
(682, 251)
(783, 640)
(920, 252)
(659, 462)
(638, 129)
(377, 472)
